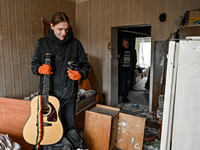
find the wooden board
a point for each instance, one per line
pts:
(80, 116)
(106, 129)
(113, 133)
(130, 132)
(189, 31)
(107, 110)
(100, 130)
(95, 123)
(13, 118)
(84, 103)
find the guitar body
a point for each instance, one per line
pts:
(52, 126)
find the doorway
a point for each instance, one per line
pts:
(140, 39)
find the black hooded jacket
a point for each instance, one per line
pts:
(63, 52)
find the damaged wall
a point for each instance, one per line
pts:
(95, 18)
(20, 27)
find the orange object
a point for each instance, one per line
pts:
(74, 75)
(45, 69)
(150, 139)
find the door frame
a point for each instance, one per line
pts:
(114, 66)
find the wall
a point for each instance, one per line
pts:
(94, 19)
(20, 27)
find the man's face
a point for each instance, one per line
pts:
(125, 43)
(60, 30)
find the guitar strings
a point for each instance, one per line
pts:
(61, 105)
(61, 100)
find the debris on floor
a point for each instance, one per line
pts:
(6, 143)
(152, 128)
(139, 106)
(151, 147)
(151, 138)
(136, 107)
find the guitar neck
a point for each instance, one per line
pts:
(46, 81)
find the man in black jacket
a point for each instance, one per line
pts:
(66, 50)
(128, 59)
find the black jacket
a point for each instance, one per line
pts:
(133, 58)
(63, 51)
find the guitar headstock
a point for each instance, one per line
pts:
(48, 55)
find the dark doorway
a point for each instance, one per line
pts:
(140, 39)
(118, 33)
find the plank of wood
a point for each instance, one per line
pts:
(113, 133)
(130, 132)
(80, 116)
(107, 107)
(14, 114)
(97, 130)
(106, 110)
(189, 31)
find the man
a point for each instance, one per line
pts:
(63, 84)
(128, 59)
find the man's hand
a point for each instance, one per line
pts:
(74, 75)
(45, 69)
(118, 56)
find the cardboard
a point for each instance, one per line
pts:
(192, 16)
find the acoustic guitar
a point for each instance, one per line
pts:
(52, 129)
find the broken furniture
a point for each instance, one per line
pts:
(14, 113)
(105, 128)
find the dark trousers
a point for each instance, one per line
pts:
(125, 82)
(68, 122)
(68, 116)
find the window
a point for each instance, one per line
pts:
(143, 49)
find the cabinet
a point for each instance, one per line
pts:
(100, 127)
(106, 128)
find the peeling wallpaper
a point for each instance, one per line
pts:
(94, 20)
(20, 27)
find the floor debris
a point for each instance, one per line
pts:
(139, 106)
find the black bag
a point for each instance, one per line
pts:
(76, 140)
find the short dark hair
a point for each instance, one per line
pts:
(59, 17)
(128, 40)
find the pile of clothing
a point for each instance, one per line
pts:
(8, 144)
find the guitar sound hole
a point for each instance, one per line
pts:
(45, 109)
